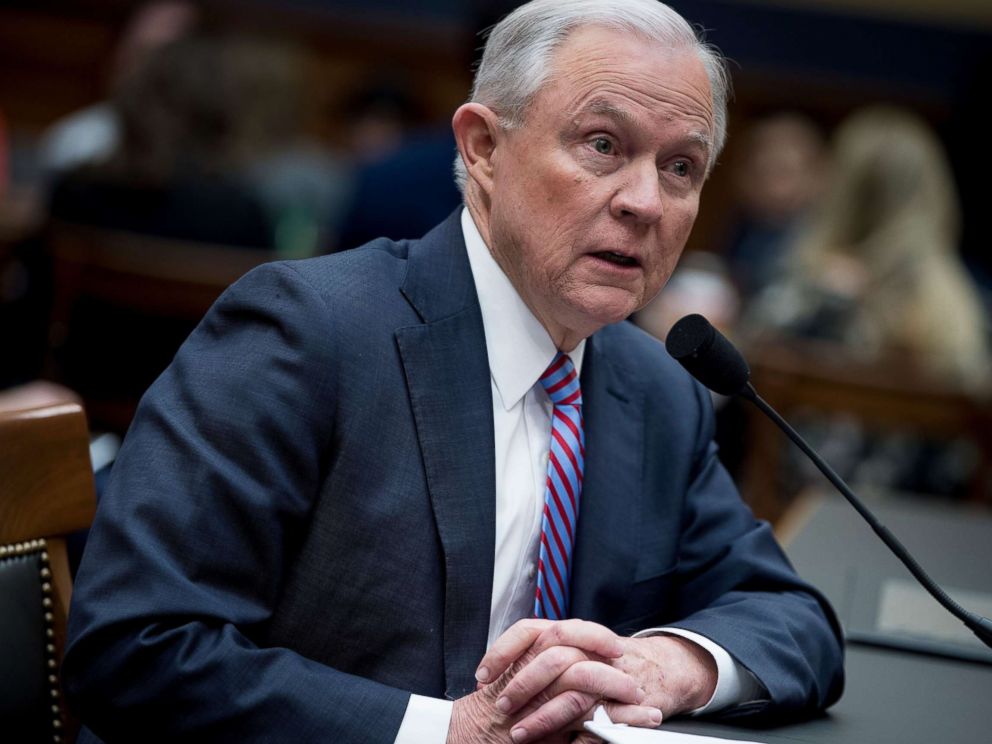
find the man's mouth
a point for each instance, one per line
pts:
(616, 258)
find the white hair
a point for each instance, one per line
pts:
(517, 59)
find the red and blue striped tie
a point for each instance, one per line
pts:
(564, 485)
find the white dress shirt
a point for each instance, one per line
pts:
(520, 349)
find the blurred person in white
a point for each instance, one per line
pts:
(93, 134)
(877, 270)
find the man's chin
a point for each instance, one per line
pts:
(607, 311)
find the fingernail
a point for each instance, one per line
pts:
(654, 715)
(482, 674)
(503, 705)
(641, 694)
(518, 734)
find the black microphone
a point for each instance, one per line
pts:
(709, 357)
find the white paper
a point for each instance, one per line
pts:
(621, 733)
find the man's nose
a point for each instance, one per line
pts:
(639, 196)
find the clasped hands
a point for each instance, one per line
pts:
(542, 679)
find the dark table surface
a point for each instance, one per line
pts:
(892, 696)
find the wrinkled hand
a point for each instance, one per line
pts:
(678, 675)
(550, 676)
(541, 679)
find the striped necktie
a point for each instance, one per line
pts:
(561, 494)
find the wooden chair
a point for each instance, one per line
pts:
(46, 493)
(134, 278)
(888, 396)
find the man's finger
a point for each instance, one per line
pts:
(562, 668)
(634, 715)
(509, 647)
(554, 715)
(570, 709)
(588, 636)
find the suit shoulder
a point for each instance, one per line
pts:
(357, 289)
(373, 266)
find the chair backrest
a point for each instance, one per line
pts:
(46, 492)
(151, 292)
(884, 397)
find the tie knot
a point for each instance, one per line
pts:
(561, 382)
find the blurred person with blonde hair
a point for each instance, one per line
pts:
(877, 269)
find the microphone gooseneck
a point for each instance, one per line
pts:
(712, 359)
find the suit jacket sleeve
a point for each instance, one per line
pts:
(191, 543)
(737, 588)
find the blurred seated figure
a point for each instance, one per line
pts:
(301, 183)
(877, 278)
(181, 132)
(877, 270)
(93, 134)
(778, 176)
(403, 168)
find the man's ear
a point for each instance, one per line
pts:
(476, 130)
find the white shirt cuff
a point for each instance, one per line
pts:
(425, 721)
(735, 684)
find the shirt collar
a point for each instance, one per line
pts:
(519, 347)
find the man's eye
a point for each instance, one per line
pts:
(681, 168)
(603, 146)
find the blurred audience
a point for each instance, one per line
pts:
(778, 175)
(877, 269)
(93, 134)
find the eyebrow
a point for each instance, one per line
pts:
(602, 107)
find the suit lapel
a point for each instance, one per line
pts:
(606, 544)
(447, 373)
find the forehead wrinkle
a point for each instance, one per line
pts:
(597, 84)
(596, 81)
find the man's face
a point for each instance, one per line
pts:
(593, 197)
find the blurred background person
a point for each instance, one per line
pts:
(878, 268)
(93, 134)
(182, 135)
(301, 182)
(403, 178)
(778, 175)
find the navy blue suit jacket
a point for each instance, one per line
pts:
(299, 531)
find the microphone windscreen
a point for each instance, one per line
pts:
(707, 355)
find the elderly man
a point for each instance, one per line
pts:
(363, 471)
